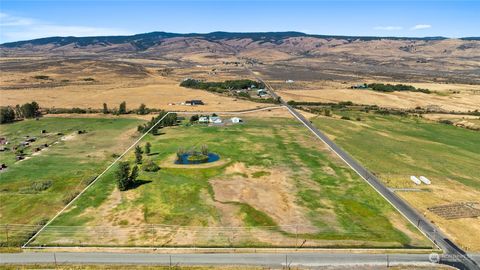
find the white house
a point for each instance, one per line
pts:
(236, 120)
(215, 120)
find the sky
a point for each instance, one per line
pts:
(23, 20)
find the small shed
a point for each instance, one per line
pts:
(236, 120)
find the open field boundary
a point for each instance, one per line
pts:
(125, 152)
(48, 229)
(437, 237)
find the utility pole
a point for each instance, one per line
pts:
(388, 261)
(6, 233)
(296, 236)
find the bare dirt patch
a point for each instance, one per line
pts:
(272, 194)
(457, 210)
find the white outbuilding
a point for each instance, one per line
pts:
(236, 120)
(415, 180)
(425, 180)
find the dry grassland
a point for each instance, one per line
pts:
(121, 81)
(449, 97)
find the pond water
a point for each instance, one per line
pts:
(184, 159)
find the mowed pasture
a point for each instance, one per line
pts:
(274, 185)
(33, 190)
(395, 148)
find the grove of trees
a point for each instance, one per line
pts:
(125, 175)
(169, 120)
(28, 110)
(221, 86)
(396, 87)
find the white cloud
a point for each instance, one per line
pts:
(388, 28)
(20, 28)
(421, 26)
(7, 20)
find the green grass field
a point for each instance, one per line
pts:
(68, 164)
(397, 147)
(275, 185)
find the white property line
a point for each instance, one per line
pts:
(122, 155)
(93, 182)
(316, 135)
(179, 112)
(232, 113)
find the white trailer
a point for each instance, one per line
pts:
(425, 180)
(415, 180)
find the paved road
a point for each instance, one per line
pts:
(427, 228)
(263, 259)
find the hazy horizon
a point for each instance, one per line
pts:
(25, 20)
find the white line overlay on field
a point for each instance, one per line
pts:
(355, 170)
(93, 182)
(125, 152)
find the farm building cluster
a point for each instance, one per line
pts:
(215, 120)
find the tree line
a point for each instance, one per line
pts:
(122, 109)
(169, 120)
(221, 86)
(396, 87)
(9, 114)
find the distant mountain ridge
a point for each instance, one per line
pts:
(146, 40)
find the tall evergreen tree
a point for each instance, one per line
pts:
(147, 148)
(142, 109)
(7, 115)
(105, 108)
(138, 154)
(133, 176)
(122, 109)
(122, 175)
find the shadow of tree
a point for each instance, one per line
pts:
(138, 183)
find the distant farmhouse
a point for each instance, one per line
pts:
(194, 102)
(359, 86)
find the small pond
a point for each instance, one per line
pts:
(186, 159)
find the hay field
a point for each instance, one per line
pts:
(395, 148)
(90, 83)
(448, 97)
(275, 185)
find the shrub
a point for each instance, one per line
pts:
(446, 122)
(197, 157)
(345, 118)
(70, 196)
(41, 77)
(36, 187)
(150, 166)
